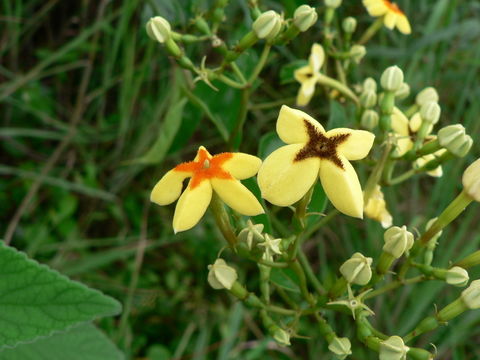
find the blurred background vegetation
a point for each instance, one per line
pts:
(84, 98)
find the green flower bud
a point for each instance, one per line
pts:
(341, 347)
(471, 180)
(368, 99)
(357, 52)
(158, 29)
(454, 139)
(392, 78)
(333, 3)
(457, 276)
(426, 95)
(403, 91)
(267, 25)
(370, 84)
(369, 119)
(397, 241)
(250, 233)
(393, 349)
(221, 276)
(356, 270)
(281, 336)
(471, 295)
(349, 25)
(305, 17)
(430, 112)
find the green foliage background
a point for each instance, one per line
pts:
(84, 98)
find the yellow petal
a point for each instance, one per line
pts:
(307, 89)
(399, 122)
(342, 187)
(375, 7)
(390, 19)
(242, 166)
(284, 181)
(317, 57)
(291, 125)
(191, 206)
(237, 196)
(404, 25)
(168, 189)
(304, 73)
(358, 144)
(415, 122)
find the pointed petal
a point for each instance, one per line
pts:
(307, 89)
(291, 125)
(375, 7)
(202, 153)
(399, 122)
(168, 189)
(317, 57)
(358, 144)
(237, 196)
(304, 73)
(390, 20)
(342, 187)
(191, 206)
(404, 25)
(242, 166)
(415, 122)
(284, 181)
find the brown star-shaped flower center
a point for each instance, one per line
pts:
(321, 146)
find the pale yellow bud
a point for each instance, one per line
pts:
(454, 139)
(357, 52)
(369, 119)
(457, 276)
(393, 349)
(471, 180)
(349, 24)
(333, 3)
(305, 17)
(370, 84)
(158, 29)
(221, 276)
(392, 78)
(430, 112)
(426, 95)
(403, 91)
(368, 99)
(356, 270)
(341, 347)
(267, 25)
(397, 241)
(281, 336)
(471, 295)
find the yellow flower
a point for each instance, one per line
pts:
(219, 173)
(392, 15)
(290, 171)
(376, 208)
(308, 75)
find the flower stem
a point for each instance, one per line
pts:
(337, 85)
(371, 31)
(223, 221)
(310, 274)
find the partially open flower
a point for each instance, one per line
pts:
(436, 172)
(376, 208)
(471, 180)
(454, 139)
(356, 270)
(290, 171)
(341, 347)
(393, 349)
(219, 173)
(221, 276)
(392, 15)
(308, 75)
(271, 246)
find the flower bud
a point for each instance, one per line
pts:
(333, 3)
(455, 140)
(349, 25)
(471, 295)
(341, 347)
(370, 84)
(426, 95)
(397, 241)
(430, 112)
(393, 349)
(305, 17)
(457, 276)
(403, 91)
(357, 52)
(369, 119)
(392, 78)
(368, 99)
(221, 276)
(281, 336)
(267, 25)
(415, 123)
(471, 180)
(158, 29)
(356, 270)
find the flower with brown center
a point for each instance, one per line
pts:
(393, 16)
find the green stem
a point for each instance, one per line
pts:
(376, 174)
(393, 285)
(236, 134)
(223, 221)
(298, 270)
(470, 261)
(371, 31)
(337, 85)
(232, 83)
(238, 72)
(310, 274)
(260, 64)
(401, 178)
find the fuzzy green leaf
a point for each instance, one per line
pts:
(36, 301)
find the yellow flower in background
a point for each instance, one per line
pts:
(220, 173)
(404, 130)
(393, 16)
(376, 208)
(308, 75)
(290, 171)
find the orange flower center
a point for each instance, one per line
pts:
(207, 167)
(393, 6)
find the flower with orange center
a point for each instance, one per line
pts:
(220, 173)
(392, 15)
(290, 171)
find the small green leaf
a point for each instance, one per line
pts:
(36, 301)
(84, 342)
(285, 278)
